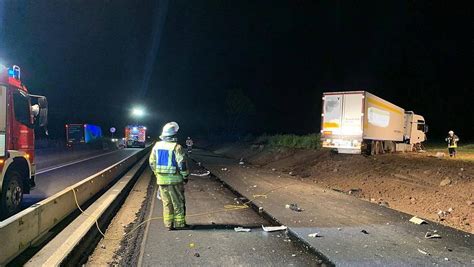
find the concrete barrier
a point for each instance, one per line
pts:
(32, 224)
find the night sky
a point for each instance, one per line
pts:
(182, 60)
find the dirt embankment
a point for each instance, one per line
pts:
(438, 189)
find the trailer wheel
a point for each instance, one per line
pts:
(12, 194)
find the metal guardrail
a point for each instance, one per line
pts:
(30, 225)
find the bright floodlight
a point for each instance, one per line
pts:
(138, 112)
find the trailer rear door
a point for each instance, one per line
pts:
(352, 114)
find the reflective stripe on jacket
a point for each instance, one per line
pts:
(168, 163)
(452, 141)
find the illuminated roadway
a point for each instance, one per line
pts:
(52, 179)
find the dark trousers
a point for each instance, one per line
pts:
(452, 151)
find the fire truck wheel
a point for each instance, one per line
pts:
(12, 194)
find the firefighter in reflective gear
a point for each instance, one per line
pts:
(452, 140)
(168, 162)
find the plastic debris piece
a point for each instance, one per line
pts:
(158, 196)
(293, 255)
(364, 232)
(417, 220)
(430, 235)
(274, 228)
(197, 255)
(423, 252)
(241, 229)
(314, 235)
(224, 169)
(293, 207)
(201, 174)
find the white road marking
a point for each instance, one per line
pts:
(73, 162)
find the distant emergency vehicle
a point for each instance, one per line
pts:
(135, 136)
(82, 133)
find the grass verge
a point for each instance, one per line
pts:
(311, 141)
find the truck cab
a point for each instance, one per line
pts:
(415, 128)
(20, 113)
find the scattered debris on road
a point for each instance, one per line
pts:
(224, 169)
(274, 228)
(444, 213)
(364, 232)
(354, 191)
(314, 235)
(241, 229)
(423, 252)
(201, 174)
(417, 220)
(197, 255)
(430, 235)
(293, 207)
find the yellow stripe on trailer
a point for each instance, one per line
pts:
(330, 125)
(383, 105)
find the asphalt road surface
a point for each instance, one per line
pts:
(213, 241)
(52, 179)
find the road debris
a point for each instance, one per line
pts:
(417, 220)
(241, 161)
(354, 191)
(423, 252)
(274, 228)
(224, 169)
(201, 174)
(444, 213)
(314, 235)
(241, 229)
(197, 255)
(293, 207)
(430, 235)
(364, 232)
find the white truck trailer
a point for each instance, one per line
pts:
(357, 122)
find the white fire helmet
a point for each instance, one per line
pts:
(450, 132)
(170, 129)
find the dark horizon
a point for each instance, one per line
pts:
(188, 62)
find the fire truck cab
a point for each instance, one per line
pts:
(20, 114)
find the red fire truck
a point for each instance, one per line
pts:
(20, 114)
(135, 136)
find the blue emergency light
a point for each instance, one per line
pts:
(14, 72)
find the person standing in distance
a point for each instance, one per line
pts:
(189, 144)
(452, 140)
(168, 162)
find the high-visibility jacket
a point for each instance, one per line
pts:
(167, 160)
(452, 141)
